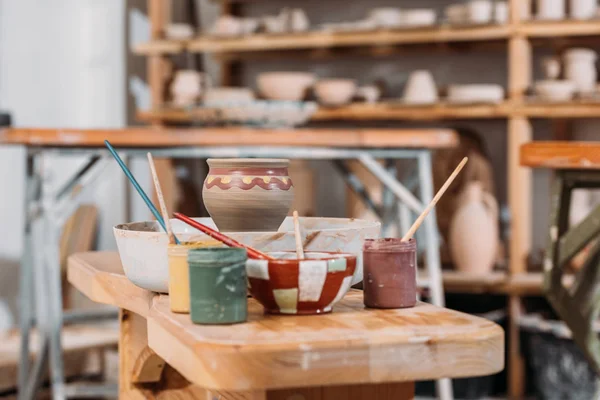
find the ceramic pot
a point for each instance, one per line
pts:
(480, 11)
(550, 90)
(583, 9)
(419, 17)
(386, 17)
(285, 85)
(580, 68)
(287, 285)
(298, 21)
(179, 31)
(551, 67)
(473, 233)
(187, 87)
(218, 293)
(227, 26)
(248, 195)
(456, 14)
(420, 88)
(369, 93)
(335, 92)
(390, 267)
(501, 12)
(551, 9)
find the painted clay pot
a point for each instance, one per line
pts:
(473, 231)
(287, 285)
(248, 195)
(218, 285)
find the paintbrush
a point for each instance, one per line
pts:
(252, 253)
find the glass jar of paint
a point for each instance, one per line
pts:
(390, 267)
(218, 285)
(179, 275)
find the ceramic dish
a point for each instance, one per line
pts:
(259, 113)
(475, 93)
(285, 85)
(143, 246)
(335, 92)
(550, 90)
(419, 17)
(291, 286)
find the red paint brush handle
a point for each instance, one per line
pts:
(252, 253)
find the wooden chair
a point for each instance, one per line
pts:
(576, 165)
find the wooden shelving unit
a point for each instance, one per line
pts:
(516, 37)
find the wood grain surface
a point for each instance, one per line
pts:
(561, 155)
(163, 137)
(352, 345)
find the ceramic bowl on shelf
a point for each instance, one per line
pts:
(475, 93)
(551, 90)
(386, 17)
(369, 93)
(456, 14)
(256, 113)
(179, 31)
(335, 92)
(313, 285)
(285, 85)
(480, 11)
(143, 245)
(419, 17)
(227, 26)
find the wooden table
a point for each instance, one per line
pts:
(50, 206)
(576, 165)
(352, 353)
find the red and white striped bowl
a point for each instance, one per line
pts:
(288, 285)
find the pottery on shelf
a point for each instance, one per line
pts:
(298, 21)
(551, 67)
(187, 87)
(551, 90)
(245, 194)
(501, 12)
(369, 93)
(386, 17)
(179, 31)
(473, 233)
(335, 92)
(480, 11)
(420, 88)
(417, 17)
(580, 68)
(475, 93)
(551, 9)
(456, 14)
(227, 26)
(287, 285)
(285, 85)
(583, 9)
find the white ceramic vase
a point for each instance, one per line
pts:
(473, 233)
(420, 88)
(580, 68)
(551, 9)
(187, 87)
(583, 9)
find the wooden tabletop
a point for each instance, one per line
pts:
(235, 136)
(561, 155)
(351, 345)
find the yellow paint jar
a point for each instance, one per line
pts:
(179, 273)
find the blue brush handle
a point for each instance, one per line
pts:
(137, 187)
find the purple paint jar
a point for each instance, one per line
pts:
(390, 273)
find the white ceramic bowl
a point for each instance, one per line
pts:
(335, 92)
(179, 31)
(143, 246)
(475, 93)
(550, 90)
(386, 17)
(285, 85)
(419, 17)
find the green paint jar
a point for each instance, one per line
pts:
(218, 285)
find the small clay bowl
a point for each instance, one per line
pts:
(288, 285)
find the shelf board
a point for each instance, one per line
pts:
(573, 109)
(524, 284)
(398, 111)
(556, 29)
(327, 39)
